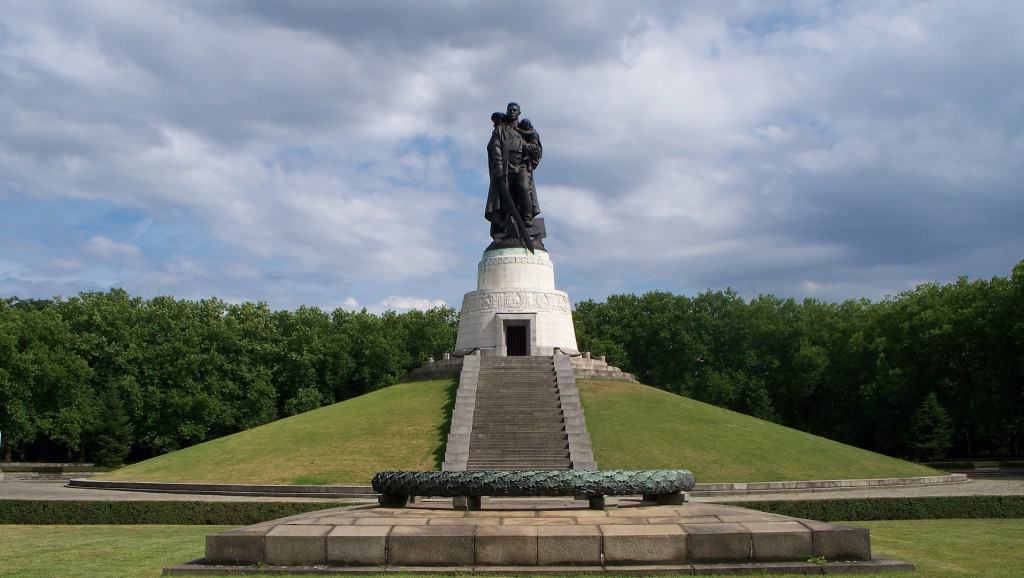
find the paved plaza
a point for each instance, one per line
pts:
(527, 535)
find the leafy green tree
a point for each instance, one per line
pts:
(89, 372)
(850, 371)
(1012, 393)
(105, 326)
(428, 333)
(44, 388)
(306, 399)
(19, 421)
(310, 355)
(245, 339)
(178, 374)
(376, 348)
(599, 328)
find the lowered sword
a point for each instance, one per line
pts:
(517, 219)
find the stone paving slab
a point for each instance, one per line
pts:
(538, 534)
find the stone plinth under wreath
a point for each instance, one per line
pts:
(516, 309)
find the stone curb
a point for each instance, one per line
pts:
(366, 492)
(581, 453)
(456, 454)
(739, 488)
(361, 492)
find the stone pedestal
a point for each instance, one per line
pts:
(550, 536)
(516, 295)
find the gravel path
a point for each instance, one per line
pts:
(56, 490)
(971, 488)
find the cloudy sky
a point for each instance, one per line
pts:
(332, 153)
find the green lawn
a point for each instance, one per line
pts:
(939, 548)
(402, 427)
(98, 551)
(634, 426)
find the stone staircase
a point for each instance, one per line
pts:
(517, 421)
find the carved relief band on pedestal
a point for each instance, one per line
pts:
(515, 301)
(515, 259)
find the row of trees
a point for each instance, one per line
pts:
(106, 375)
(934, 371)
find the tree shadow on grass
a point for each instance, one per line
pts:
(446, 423)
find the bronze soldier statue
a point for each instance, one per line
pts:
(513, 153)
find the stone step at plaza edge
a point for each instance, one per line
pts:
(540, 537)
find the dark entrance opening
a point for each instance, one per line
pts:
(515, 340)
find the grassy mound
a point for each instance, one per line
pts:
(402, 427)
(634, 426)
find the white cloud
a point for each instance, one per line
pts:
(106, 248)
(243, 272)
(176, 273)
(394, 303)
(64, 263)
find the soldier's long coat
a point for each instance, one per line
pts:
(506, 138)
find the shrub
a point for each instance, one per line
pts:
(910, 508)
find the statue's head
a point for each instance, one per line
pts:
(512, 112)
(497, 118)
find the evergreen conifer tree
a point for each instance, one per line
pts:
(931, 430)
